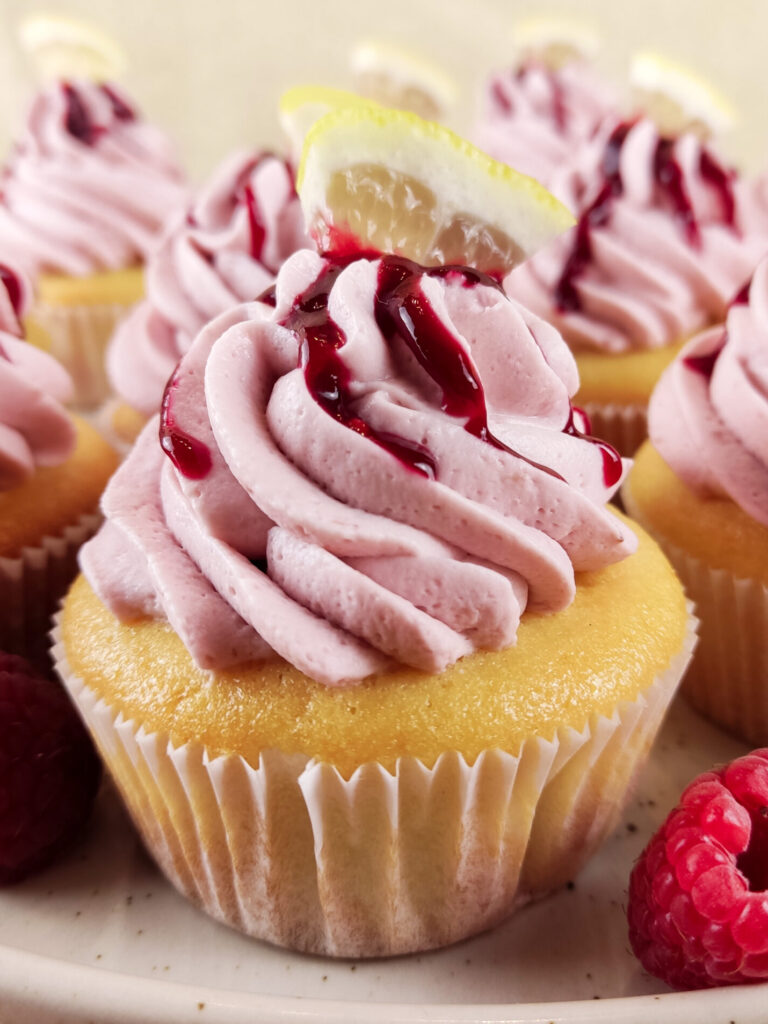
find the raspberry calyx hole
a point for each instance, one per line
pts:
(753, 862)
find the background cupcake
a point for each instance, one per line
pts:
(666, 237)
(52, 472)
(364, 501)
(226, 248)
(86, 191)
(701, 486)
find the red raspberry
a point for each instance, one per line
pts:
(49, 771)
(698, 895)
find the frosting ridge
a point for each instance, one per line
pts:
(383, 465)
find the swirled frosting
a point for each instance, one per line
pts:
(226, 249)
(534, 116)
(89, 186)
(35, 430)
(384, 466)
(666, 236)
(708, 416)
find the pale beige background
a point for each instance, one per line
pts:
(211, 70)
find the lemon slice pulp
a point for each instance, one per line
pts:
(396, 78)
(63, 47)
(555, 41)
(385, 180)
(676, 98)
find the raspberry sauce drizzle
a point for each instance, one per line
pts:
(256, 227)
(704, 365)
(596, 214)
(670, 180)
(190, 456)
(77, 120)
(121, 110)
(12, 285)
(612, 465)
(327, 377)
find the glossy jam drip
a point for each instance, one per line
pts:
(77, 120)
(402, 311)
(190, 456)
(501, 99)
(327, 377)
(741, 298)
(12, 285)
(704, 365)
(578, 425)
(596, 214)
(669, 177)
(256, 227)
(268, 296)
(721, 180)
(121, 110)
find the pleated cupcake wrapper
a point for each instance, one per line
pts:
(623, 426)
(78, 337)
(728, 678)
(385, 862)
(32, 585)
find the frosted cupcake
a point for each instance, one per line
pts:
(348, 640)
(52, 472)
(666, 237)
(85, 194)
(700, 485)
(225, 249)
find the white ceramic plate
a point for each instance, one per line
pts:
(102, 938)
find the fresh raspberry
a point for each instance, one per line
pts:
(698, 895)
(49, 771)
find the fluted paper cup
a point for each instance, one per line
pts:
(384, 862)
(32, 584)
(623, 426)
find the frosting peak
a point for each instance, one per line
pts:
(226, 248)
(89, 185)
(709, 414)
(383, 465)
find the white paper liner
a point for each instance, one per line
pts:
(623, 426)
(78, 337)
(728, 677)
(383, 863)
(32, 585)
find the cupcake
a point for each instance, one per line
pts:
(225, 249)
(666, 236)
(53, 469)
(353, 638)
(84, 196)
(700, 485)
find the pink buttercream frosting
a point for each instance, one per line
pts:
(224, 250)
(89, 186)
(666, 237)
(534, 116)
(35, 429)
(382, 467)
(709, 413)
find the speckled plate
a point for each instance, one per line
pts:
(102, 938)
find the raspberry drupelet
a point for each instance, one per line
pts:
(698, 895)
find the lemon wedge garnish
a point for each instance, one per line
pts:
(676, 98)
(65, 47)
(385, 180)
(555, 41)
(396, 78)
(302, 105)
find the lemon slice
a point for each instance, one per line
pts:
(64, 47)
(556, 41)
(380, 179)
(676, 98)
(399, 79)
(301, 106)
